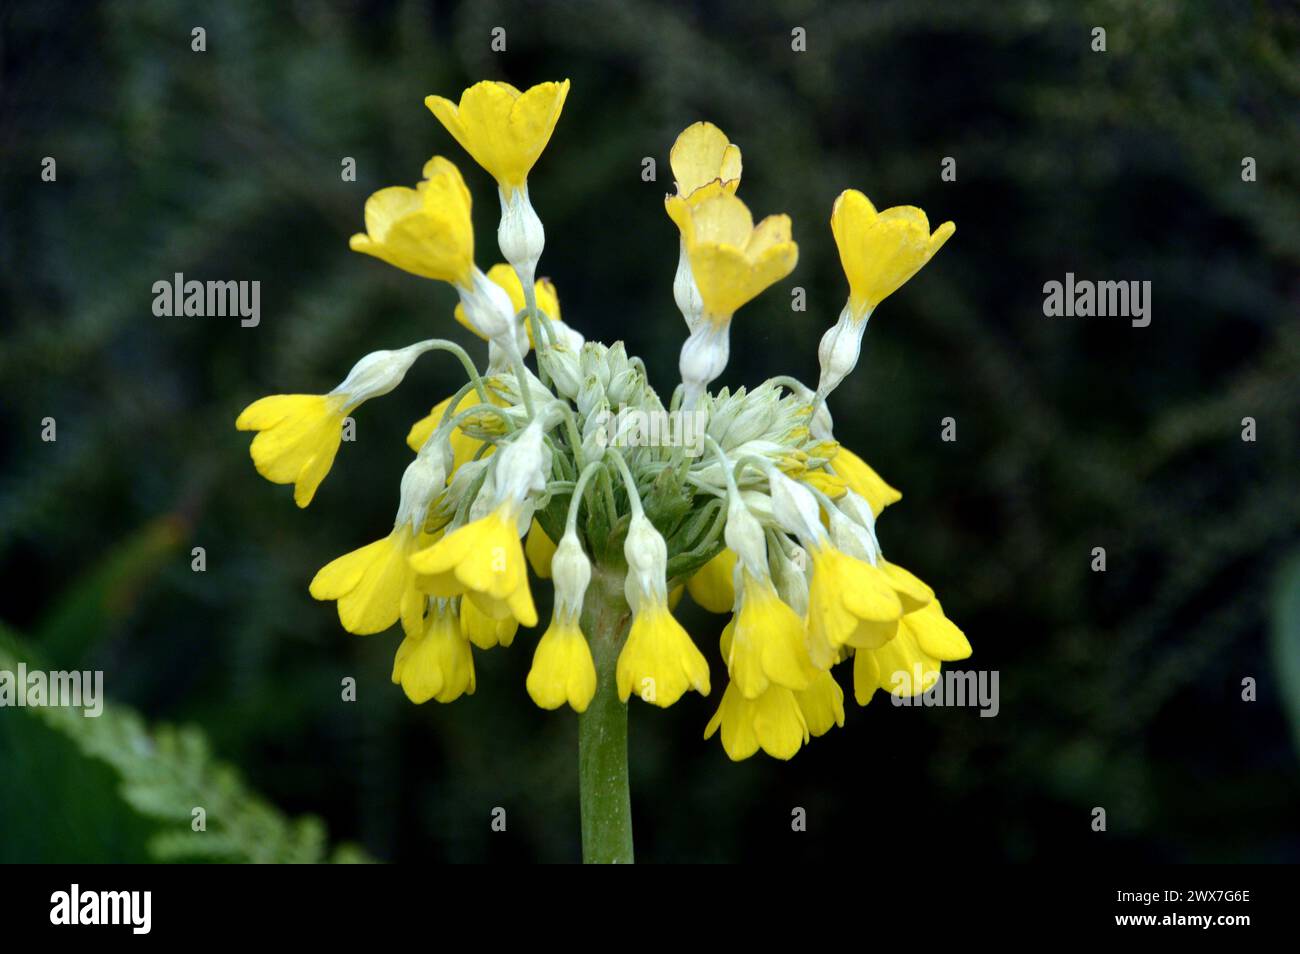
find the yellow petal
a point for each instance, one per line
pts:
(503, 129)
(563, 670)
(659, 662)
(881, 250)
(372, 585)
(711, 586)
(703, 154)
(913, 592)
(767, 643)
(427, 230)
(864, 481)
(822, 704)
(484, 557)
(436, 663)
(936, 634)
(298, 437)
(484, 630)
(539, 549)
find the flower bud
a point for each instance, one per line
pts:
(378, 373)
(839, 350)
(571, 572)
(647, 563)
(685, 292)
(520, 234)
(745, 537)
(565, 370)
(704, 357)
(794, 508)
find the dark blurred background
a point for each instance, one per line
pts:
(1120, 690)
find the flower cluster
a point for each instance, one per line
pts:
(773, 522)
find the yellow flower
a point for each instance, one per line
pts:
(711, 586)
(426, 230)
(864, 481)
(732, 260)
(503, 129)
(299, 434)
(912, 594)
(659, 660)
(881, 250)
(539, 548)
(843, 593)
(563, 670)
(764, 645)
(773, 722)
(822, 704)
(702, 154)
(504, 276)
(374, 585)
(484, 560)
(484, 631)
(436, 661)
(909, 663)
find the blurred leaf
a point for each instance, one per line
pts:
(166, 773)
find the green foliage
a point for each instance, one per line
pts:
(165, 773)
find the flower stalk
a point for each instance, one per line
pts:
(604, 797)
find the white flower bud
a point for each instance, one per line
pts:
(685, 292)
(790, 574)
(379, 373)
(522, 465)
(756, 416)
(520, 234)
(794, 508)
(565, 370)
(422, 481)
(852, 538)
(490, 312)
(745, 537)
(624, 388)
(704, 357)
(571, 572)
(839, 350)
(647, 563)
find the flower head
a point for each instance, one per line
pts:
(503, 129)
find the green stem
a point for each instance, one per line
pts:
(602, 730)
